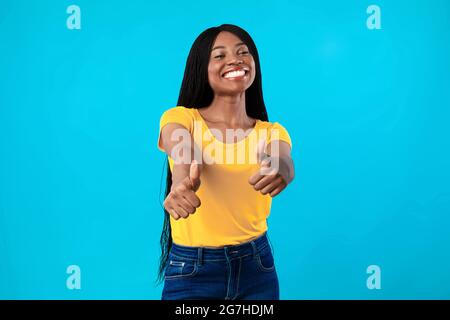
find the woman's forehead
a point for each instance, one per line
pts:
(225, 38)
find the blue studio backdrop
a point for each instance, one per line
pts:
(361, 86)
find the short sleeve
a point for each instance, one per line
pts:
(180, 115)
(278, 132)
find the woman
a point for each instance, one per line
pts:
(219, 190)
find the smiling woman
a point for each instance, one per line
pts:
(214, 240)
(242, 73)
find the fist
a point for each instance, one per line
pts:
(272, 176)
(182, 200)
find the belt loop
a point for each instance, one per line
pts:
(200, 258)
(255, 251)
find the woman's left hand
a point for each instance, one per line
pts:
(273, 175)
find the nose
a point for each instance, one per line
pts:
(235, 60)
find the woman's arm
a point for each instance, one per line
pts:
(286, 162)
(178, 143)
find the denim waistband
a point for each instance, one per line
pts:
(224, 253)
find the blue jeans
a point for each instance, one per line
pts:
(244, 271)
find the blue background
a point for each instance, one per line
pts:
(367, 110)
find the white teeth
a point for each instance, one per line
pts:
(232, 74)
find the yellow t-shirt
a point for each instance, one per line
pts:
(231, 210)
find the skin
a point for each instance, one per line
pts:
(269, 180)
(227, 111)
(182, 200)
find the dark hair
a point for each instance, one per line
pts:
(196, 92)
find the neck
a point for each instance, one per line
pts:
(228, 109)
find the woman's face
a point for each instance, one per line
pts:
(231, 68)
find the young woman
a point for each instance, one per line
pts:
(219, 189)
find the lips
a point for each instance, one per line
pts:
(236, 72)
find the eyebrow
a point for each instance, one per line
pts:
(222, 47)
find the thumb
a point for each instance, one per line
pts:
(194, 175)
(260, 154)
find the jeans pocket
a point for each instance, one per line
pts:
(178, 268)
(264, 260)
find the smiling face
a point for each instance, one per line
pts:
(231, 68)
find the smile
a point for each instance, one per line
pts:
(236, 74)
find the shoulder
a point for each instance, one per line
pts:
(179, 114)
(180, 110)
(271, 125)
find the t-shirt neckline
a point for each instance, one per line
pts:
(253, 130)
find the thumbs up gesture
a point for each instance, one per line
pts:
(182, 200)
(273, 173)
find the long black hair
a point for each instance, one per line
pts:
(196, 92)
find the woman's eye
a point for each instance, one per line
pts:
(219, 56)
(244, 52)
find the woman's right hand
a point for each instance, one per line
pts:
(182, 200)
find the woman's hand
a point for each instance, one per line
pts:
(274, 174)
(182, 200)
